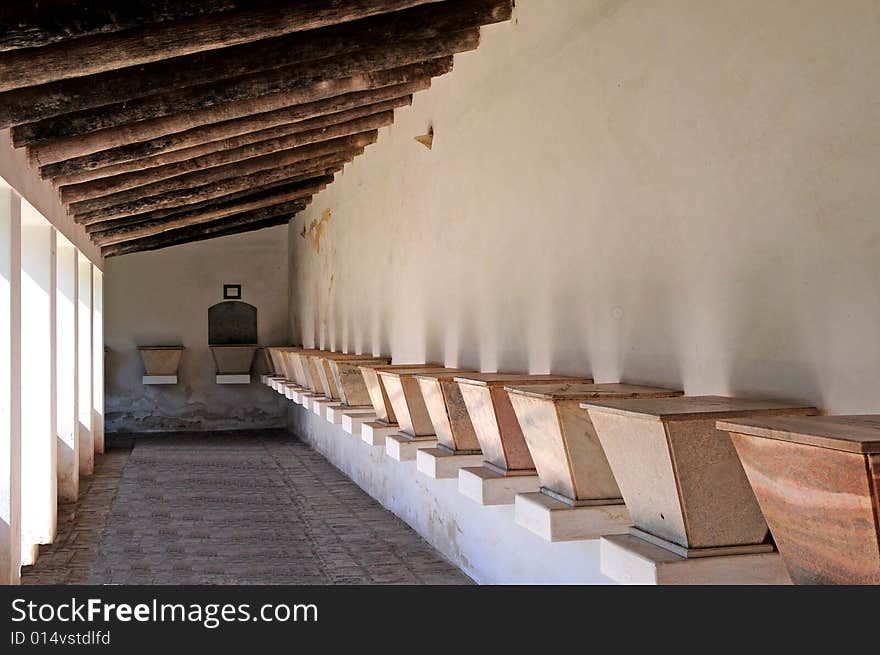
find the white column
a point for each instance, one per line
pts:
(98, 358)
(10, 400)
(65, 366)
(84, 365)
(38, 474)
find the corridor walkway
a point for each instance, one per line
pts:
(236, 508)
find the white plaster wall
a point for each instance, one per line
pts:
(676, 192)
(484, 542)
(162, 298)
(14, 168)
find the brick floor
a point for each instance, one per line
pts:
(232, 508)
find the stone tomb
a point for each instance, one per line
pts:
(323, 375)
(507, 467)
(349, 381)
(579, 498)
(817, 480)
(457, 444)
(160, 363)
(682, 481)
(416, 429)
(374, 432)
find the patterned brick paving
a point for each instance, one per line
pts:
(237, 508)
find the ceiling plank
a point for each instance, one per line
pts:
(150, 228)
(52, 21)
(248, 87)
(95, 54)
(420, 23)
(73, 171)
(106, 186)
(235, 169)
(188, 235)
(69, 147)
(210, 204)
(178, 199)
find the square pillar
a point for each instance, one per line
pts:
(65, 370)
(817, 480)
(579, 498)
(10, 396)
(507, 467)
(84, 365)
(38, 450)
(98, 358)
(682, 481)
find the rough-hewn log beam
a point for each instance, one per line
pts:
(188, 235)
(178, 199)
(149, 228)
(106, 186)
(78, 146)
(249, 87)
(96, 54)
(236, 169)
(81, 169)
(102, 194)
(421, 23)
(52, 21)
(206, 205)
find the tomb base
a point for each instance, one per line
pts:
(443, 464)
(233, 378)
(403, 447)
(374, 432)
(488, 486)
(353, 421)
(555, 520)
(334, 412)
(159, 379)
(691, 553)
(627, 559)
(319, 406)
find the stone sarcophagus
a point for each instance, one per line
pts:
(325, 382)
(457, 445)
(507, 467)
(579, 497)
(385, 423)
(349, 381)
(817, 480)
(233, 363)
(682, 481)
(160, 363)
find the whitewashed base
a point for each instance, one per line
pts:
(159, 379)
(352, 422)
(373, 433)
(553, 520)
(626, 559)
(441, 464)
(233, 378)
(319, 406)
(483, 485)
(335, 412)
(403, 448)
(306, 398)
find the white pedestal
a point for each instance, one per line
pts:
(441, 464)
(335, 412)
(159, 379)
(233, 378)
(319, 406)
(403, 448)
(487, 487)
(306, 398)
(289, 390)
(352, 421)
(626, 559)
(374, 432)
(554, 520)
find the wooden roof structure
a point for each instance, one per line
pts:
(162, 122)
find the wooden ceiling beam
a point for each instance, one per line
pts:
(73, 95)
(69, 147)
(113, 184)
(74, 171)
(60, 20)
(249, 87)
(188, 235)
(150, 228)
(180, 199)
(235, 169)
(133, 47)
